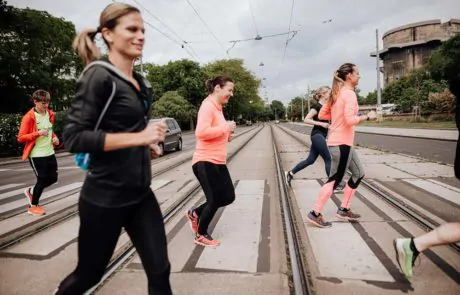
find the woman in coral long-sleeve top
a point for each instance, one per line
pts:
(342, 109)
(213, 133)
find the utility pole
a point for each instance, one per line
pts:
(379, 93)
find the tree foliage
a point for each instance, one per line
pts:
(173, 105)
(35, 53)
(187, 78)
(278, 109)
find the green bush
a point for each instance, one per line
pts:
(9, 128)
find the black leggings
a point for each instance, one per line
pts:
(218, 188)
(99, 231)
(457, 159)
(45, 169)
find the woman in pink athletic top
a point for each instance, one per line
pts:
(213, 133)
(342, 109)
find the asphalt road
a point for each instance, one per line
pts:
(431, 149)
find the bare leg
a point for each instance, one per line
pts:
(448, 233)
(407, 249)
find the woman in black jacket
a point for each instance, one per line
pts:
(116, 193)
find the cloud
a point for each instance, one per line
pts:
(311, 56)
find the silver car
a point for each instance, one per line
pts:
(173, 138)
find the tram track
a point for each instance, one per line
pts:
(400, 203)
(186, 196)
(28, 230)
(300, 279)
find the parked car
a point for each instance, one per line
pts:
(173, 138)
(248, 123)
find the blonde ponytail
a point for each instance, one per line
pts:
(337, 83)
(339, 80)
(84, 45)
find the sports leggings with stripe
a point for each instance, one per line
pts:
(343, 157)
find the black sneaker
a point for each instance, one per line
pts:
(288, 177)
(340, 187)
(346, 214)
(318, 220)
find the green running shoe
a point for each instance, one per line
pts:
(405, 256)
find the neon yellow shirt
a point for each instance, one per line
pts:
(44, 144)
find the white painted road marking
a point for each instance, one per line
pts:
(340, 251)
(159, 183)
(238, 230)
(7, 186)
(22, 202)
(436, 189)
(11, 193)
(45, 243)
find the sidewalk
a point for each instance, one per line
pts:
(448, 135)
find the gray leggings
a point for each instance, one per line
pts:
(345, 157)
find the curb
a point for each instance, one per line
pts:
(409, 136)
(397, 135)
(19, 160)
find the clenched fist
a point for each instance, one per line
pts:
(154, 133)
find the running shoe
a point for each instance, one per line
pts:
(340, 187)
(206, 240)
(318, 220)
(36, 210)
(288, 177)
(405, 256)
(346, 214)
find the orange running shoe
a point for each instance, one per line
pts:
(206, 240)
(36, 211)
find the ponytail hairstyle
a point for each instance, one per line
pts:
(218, 80)
(339, 79)
(84, 44)
(322, 92)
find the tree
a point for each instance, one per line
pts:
(278, 109)
(173, 105)
(370, 99)
(35, 53)
(294, 109)
(450, 51)
(442, 102)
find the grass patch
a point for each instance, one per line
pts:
(450, 125)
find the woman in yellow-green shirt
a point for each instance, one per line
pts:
(36, 131)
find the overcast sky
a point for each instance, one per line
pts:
(314, 53)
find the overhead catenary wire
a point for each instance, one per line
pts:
(289, 38)
(253, 17)
(184, 43)
(167, 36)
(258, 37)
(206, 25)
(160, 21)
(289, 29)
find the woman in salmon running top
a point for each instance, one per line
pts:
(342, 109)
(213, 133)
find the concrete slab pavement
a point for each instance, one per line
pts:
(440, 134)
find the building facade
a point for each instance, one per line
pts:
(409, 47)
